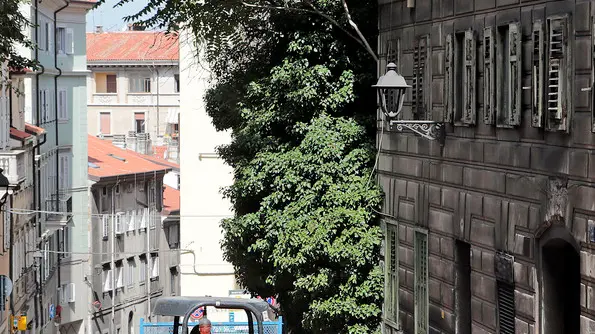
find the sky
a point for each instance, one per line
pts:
(111, 18)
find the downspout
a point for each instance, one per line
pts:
(10, 257)
(36, 172)
(112, 262)
(56, 111)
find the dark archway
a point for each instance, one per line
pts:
(560, 276)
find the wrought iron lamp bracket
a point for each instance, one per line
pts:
(427, 129)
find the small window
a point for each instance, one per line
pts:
(139, 122)
(176, 83)
(140, 85)
(105, 123)
(111, 81)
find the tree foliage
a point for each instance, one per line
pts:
(12, 34)
(292, 82)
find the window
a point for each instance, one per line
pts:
(460, 70)
(120, 218)
(391, 263)
(176, 83)
(105, 225)
(46, 260)
(131, 219)
(140, 85)
(62, 105)
(111, 82)
(105, 123)
(65, 178)
(7, 223)
(393, 52)
(173, 276)
(463, 286)
(44, 105)
(65, 40)
(107, 278)
(154, 266)
(142, 273)
(131, 271)
(119, 275)
(508, 76)
(144, 216)
(421, 282)
(67, 248)
(139, 122)
(46, 36)
(421, 96)
(173, 236)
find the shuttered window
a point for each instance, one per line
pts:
(421, 283)
(421, 96)
(537, 75)
(558, 96)
(391, 262)
(506, 311)
(489, 82)
(393, 52)
(449, 65)
(105, 123)
(62, 105)
(461, 72)
(508, 76)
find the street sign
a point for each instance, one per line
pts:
(197, 315)
(5, 290)
(231, 317)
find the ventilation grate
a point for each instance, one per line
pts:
(506, 310)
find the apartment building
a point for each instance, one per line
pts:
(49, 116)
(135, 253)
(494, 230)
(134, 86)
(205, 173)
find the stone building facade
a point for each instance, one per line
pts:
(493, 232)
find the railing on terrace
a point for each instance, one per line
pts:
(270, 327)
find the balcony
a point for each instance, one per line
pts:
(105, 98)
(13, 164)
(61, 211)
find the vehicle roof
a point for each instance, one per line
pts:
(179, 305)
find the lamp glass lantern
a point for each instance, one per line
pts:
(391, 89)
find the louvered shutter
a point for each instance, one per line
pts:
(415, 85)
(537, 75)
(506, 308)
(421, 283)
(449, 79)
(69, 47)
(489, 84)
(558, 81)
(469, 97)
(514, 70)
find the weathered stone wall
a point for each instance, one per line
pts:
(492, 187)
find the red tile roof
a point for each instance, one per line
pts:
(114, 161)
(18, 134)
(171, 200)
(34, 130)
(157, 160)
(132, 45)
(159, 151)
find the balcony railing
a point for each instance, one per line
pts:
(105, 98)
(13, 164)
(61, 211)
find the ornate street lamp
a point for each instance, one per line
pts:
(391, 89)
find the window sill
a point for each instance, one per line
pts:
(108, 94)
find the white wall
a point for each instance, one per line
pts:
(201, 181)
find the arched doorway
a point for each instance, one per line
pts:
(130, 323)
(560, 277)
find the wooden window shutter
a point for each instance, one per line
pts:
(421, 81)
(449, 79)
(392, 272)
(393, 51)
(558, 81)
(469, 83)
(421, 303)
(506, 307)
(537, 75)
(489, 85)
(514, 83)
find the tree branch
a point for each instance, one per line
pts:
(313, 11)
(358, 31)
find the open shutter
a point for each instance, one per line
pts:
(469, 97)
(489, 84)
(51, 33)
(537, 75)
(69, 47)
(62, 105)
(514, 68)
(449, 79)
(558, 81)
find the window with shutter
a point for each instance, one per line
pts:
(508, 79)
(393, 52)
(506, 307)
(421, 79)
(142, 273)
(105, 225)
(119, 275)
(537, 75)
(62, 105)
(61, 40)
(449, 63)
(469, 98)
(391, 263)
(69, 41)
(131, 271)
(489, 99)
(421, 283)
(559, 94)
(107, 279)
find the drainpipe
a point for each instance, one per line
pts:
(112, 262)
(10, 257)
(56, 111)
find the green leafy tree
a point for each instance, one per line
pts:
(12, 34)
(292, 82)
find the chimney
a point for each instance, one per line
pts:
(98, 29)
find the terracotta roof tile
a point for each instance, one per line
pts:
(34, 130)
(171, 200)
(156, 160)
(105, 160)
(159, 151)
(132, 45)
(18, 134)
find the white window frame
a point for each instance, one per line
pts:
(140, 81)
(119, 226)
(154, 266)
(61, 40)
